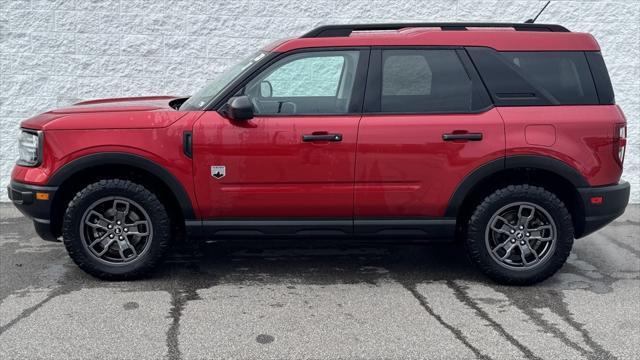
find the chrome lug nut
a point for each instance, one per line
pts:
(513, 241)
(110, 236)
(512, 231)
(110, 226)
(118, 222)
(126, 229)
(521, 227)
(121, 237)
(522, 242)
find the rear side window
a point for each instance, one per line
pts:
(536, 78)
(425, 81)
(405, 75)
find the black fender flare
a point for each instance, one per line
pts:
(512, 162)
(115, 158)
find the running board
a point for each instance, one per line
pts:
(422, 228)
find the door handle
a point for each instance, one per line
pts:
(462, 136)
(321, 137)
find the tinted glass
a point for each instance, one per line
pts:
(564, 75)
(600, 77)
(318, 82)
(406, 75)
(505, 82)
(424, 81)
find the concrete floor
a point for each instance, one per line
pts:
(397, 302)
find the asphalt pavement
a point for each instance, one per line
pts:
(300, 300)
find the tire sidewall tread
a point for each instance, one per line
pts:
(116, 187)
(479, 220)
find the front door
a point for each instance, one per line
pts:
(295, 159)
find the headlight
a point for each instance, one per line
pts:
(29, 148)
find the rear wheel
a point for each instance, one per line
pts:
(520, 235)
(116, 229)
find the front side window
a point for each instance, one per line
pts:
(317, 82)
(424, 81)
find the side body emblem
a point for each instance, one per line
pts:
(218, 171)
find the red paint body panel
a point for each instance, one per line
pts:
(499, 39)
(163, 146)
(404, 168)
(124, 113)
(29, 175)
(270, 172)
(584, 137)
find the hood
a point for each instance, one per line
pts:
(142, 103)
(116, 113)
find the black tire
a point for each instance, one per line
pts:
(477, 233)
(158, 241)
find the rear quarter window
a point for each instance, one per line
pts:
(536, 77)
(564, 75)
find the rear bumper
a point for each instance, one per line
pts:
(24, 198)
(596, 215)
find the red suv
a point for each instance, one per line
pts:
(506, 136)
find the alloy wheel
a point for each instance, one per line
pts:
(521, 236)
(116, 230)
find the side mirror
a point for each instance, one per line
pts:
(266, 90)
(239, 108)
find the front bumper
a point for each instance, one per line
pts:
(602, 205)
(30, 200)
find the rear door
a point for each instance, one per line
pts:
(428, 123)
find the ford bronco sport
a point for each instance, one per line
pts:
(505, 136)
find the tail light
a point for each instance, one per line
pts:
(620, 142)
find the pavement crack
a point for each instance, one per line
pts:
(554, 301)
(625, 222)
(537, 319)
(27, 312)
(621, 244)
(598, 352)
(178, 301)
(462, 296)
(181, 293)
(456, 332)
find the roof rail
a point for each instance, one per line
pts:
(346, 30)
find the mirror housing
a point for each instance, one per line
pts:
(239, 108)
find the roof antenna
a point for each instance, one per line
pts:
(531, 21)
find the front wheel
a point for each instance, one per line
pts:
(520, 235)
(116, 229)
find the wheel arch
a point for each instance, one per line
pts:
(552, 174)
(80, 172)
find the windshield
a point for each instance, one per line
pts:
(202, 98)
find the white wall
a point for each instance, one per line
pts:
(55, 52)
